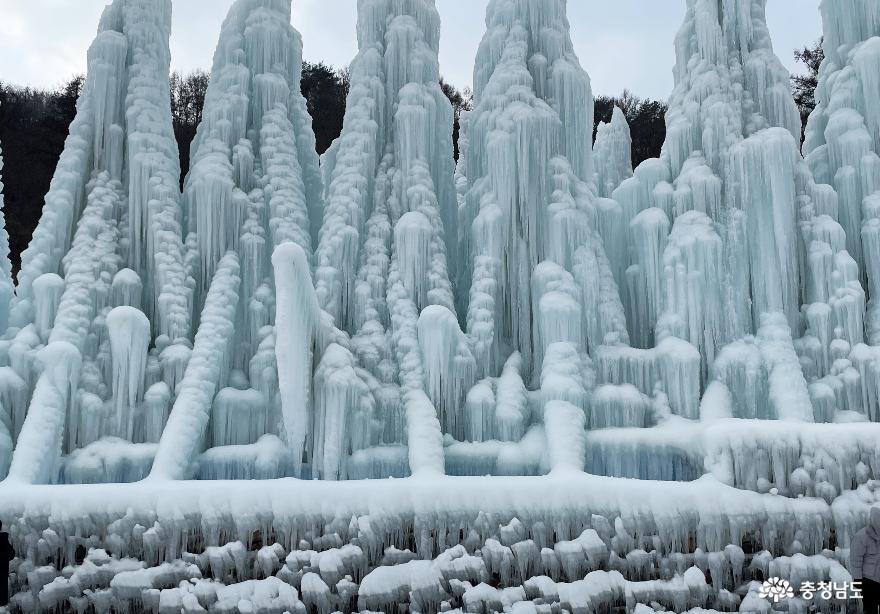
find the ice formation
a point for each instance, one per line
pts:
(7, 418)
(381, 258)
(841, 143)
(612, 152)
(540, 381)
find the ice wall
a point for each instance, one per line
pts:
(675, 383)
(729, 230)
(119, 233)
(252, 346)
(729, 86)
(539, 289)
(841, 143)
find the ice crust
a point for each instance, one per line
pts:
(540, 381)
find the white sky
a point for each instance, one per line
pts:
(621, 43)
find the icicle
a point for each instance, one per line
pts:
(649, 231)
(127, 289)
(479, 412)
(394, 98)
(841, 143)
(48, 290)
(129, 331)
(297, 324)
(39, 443)
(764, 165)
(5, 450)
(527, 89)
(344, 409)
(673, 365)
(619, 406)
(693, 296)
(788, 393)
(412, 240)
(114, 201)
(511, 408)
(563, 377)
(14, 393)
(267, 459)
(156, 406)
(239, 417)
(157, 251)
(450, 368)
(92, 252)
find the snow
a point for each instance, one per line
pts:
(267, 458)
(539, 381)
(111, 460)
(586, 512)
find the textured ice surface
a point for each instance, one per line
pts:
(542, 381)
(7, 417)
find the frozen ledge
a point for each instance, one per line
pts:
(705, 510)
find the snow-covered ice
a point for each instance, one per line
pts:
(538, 381)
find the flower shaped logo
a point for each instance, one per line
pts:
(776, 589)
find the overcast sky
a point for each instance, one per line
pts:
(621, 43)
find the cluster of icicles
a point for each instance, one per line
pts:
(382, 312)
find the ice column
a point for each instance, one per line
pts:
(156, 249)
(255, 181)
(728, 229)
(728, 86)
(92, 254)
(390, 213)
(113, 203)
(566, 438)
(693, 296)
(344, 410)
(450, 368)
(764, 167)
(297, 325)
(255, 188)
(395, 105)
(97, 125)
(527, 157)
